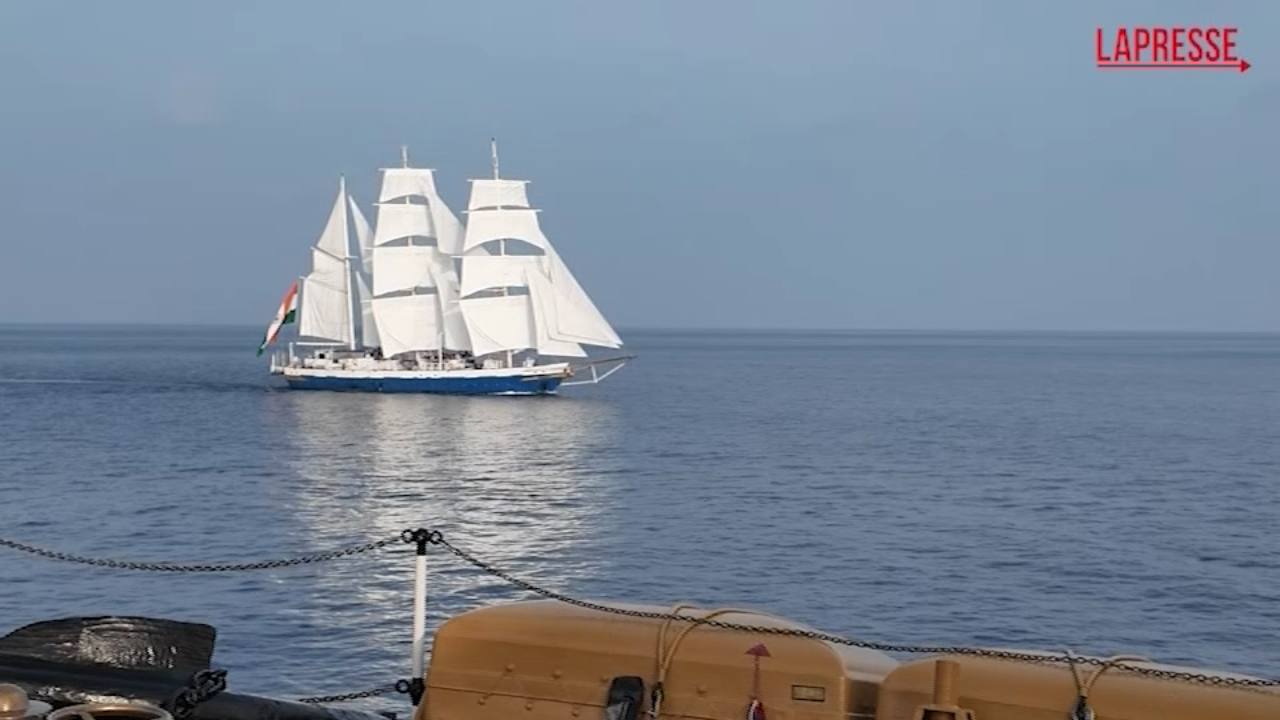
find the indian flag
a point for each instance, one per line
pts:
(286, 313)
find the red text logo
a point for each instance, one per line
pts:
(1151, 48)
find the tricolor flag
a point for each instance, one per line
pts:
(286, 313)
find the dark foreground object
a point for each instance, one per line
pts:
(75, 661)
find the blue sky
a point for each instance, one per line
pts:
(836, 164)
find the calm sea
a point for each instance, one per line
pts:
(1104, 493)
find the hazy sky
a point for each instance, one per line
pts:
(708, 163)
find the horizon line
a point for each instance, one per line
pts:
(709, 328)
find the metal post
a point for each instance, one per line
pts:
(421, 537)
(419, 608)
(946, 694)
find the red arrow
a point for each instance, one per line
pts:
(757, 652)
(1242, 65)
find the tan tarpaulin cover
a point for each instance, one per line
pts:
(542, 660)
(1007, 690)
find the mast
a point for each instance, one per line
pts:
(404, 163)
(502, 242)
(362, 272)
(410, 267)
(346, 262)
(326, 300)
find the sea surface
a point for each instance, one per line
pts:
(1103, 493)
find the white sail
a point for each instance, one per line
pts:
(408, 323)
(491, 272)
(402, 268)
(496, 323)
(448, 228)
(577, 318)
(364, 235)
(498, 319)
(397, 221)
(484, 226)
(499, 323)
(325, 313)
(543, 299)
(415, 286)
(403, 182)
(519, 301)
(368, 325)
(456, 336)
(333, 239)
(368, 328)
(326, 308)
(496, 192)
(449, 235)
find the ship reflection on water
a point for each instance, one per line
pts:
(519, 482)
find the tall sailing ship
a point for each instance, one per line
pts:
(427, 305)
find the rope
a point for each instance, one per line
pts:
(665, 656)
(1082, 711)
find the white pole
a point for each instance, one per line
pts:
(421, 537)
(419, 614)
(502, 243)
(351, 308)
(348, 286)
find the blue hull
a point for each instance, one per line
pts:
(509, 385)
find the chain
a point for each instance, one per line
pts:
(214, 567)
(1203, 678)
(204, 685)
(324, 699)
